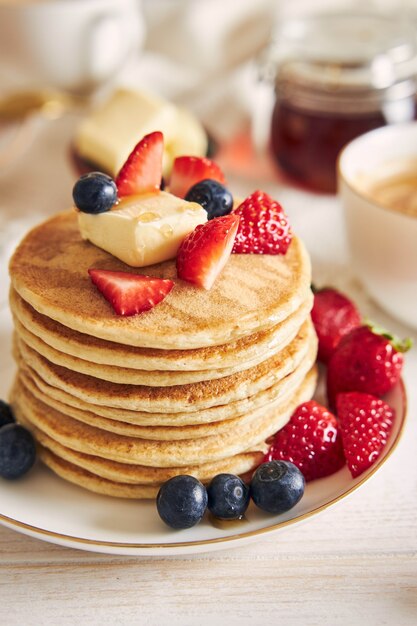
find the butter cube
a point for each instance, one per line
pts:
(143, 230)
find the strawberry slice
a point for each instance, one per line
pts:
(204, 252)
(365, 423)
(142, 171)
(130, 294)
(263, 228)
(311, 440)
(189, 170)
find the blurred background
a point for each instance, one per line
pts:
(215, 47)
(220, 60)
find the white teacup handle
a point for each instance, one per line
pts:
(109, 40)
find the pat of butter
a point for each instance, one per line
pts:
(109, 134)
(143, 230)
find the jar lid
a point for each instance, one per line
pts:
(344, 52)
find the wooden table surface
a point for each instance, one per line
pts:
(353, 564)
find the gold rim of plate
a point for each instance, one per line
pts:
(216, 540)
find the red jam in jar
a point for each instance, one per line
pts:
(337, 77)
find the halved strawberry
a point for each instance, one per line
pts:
(263, 228)
(189, 170)
(142, 171)
(365, 423)
(311, 440)
(204, 252)
(130, 294)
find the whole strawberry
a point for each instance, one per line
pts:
(333, 315)
(365, 423)
(367, 359)
(263, 226)
(311, 440)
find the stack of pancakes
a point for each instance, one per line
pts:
(196, 385)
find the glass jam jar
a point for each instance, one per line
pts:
(335, 77)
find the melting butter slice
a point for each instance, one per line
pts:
(143, 230)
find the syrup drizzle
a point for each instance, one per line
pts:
(227, 524)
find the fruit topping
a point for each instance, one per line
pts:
(333, 315)
(6, 414)
(94, 193)
(367, 359)
(311, 440)
(130, 294)
(228, 496)
(277, 486)
(189, 170)
(263, 228)
(213, 197)
(142, 171)
(17, 451)
(182, 501)
(204, 252)
(365, 423)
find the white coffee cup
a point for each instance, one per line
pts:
(70, 45)
(382, 241)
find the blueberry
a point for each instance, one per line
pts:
(182, 501)
(6, 414)
(94, 193)
(213, 196)
(17, 451)
(228, 496)
(277, 486)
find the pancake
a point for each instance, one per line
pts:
(125, 375)
(171, 432)
(139, 474)
(196, 385)
(83, 346)
(254, 292)
(180, 398)
(82, 478)
(90, 440)
(142, 418)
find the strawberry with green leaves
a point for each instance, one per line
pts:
(367, 359)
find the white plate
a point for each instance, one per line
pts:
(44, 506)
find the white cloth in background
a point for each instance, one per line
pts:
(203, 53)
(200, 53)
